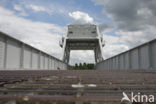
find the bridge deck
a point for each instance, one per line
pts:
(73, 86)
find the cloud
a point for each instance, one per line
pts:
(81, 56)
(130, 15)
(81, 17)
(105, 28)
(134, 23)
(44, 36)
(21, 10)
(113, 46)
(37, 8)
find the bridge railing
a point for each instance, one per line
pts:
(140, 57)
(15, 54)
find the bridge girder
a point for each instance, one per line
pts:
(82, 37)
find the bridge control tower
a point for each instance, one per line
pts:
(82, 37)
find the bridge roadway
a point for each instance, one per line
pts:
(73, 86)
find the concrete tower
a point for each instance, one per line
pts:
(82, 37)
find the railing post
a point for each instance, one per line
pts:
(129, 59)
(22, 56)
(150, 56)
(138, 57)
(39, 59)
(5, 52)
(31, 59)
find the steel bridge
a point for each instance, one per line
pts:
(82, 37)
(31, 76)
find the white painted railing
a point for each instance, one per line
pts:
(15, 54)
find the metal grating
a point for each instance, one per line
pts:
(73, 86)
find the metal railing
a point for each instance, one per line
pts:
(15, 54)
(141, 57)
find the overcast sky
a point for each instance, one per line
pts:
(124, 24)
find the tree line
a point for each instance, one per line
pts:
(82, 66)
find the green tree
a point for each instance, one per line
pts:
(85, 66)
(90, 66)
(80, 66)
(76, 66)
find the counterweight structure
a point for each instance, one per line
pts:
(82, 37)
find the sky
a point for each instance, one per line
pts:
(123, 24)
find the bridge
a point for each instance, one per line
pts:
(31, 76)
(82, 37)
